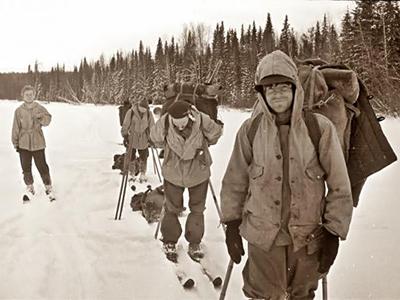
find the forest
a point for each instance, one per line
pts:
(367, 41)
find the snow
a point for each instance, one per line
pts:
(73, 248)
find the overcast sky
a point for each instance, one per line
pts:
(64, 31)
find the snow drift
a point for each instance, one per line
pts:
(73, 248)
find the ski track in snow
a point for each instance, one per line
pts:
(73, 248)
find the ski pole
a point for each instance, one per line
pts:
(120, 196)
(158, 157)
(230, 265)
(226, 280)
(324, 288)
(155, 164)
(161, 217)
(124, 182)
(159, 221)
(123, 197)
(215, 201)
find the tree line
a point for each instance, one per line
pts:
(368, 41)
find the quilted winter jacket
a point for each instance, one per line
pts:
(27, 131)
(137, 127)
(252, 185)
(187, 162)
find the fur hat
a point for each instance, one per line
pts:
(179, 109)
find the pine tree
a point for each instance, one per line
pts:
(293, 45)
(317, 41)
(347, 40)
(268, 36)
(325, 45)
(334, 45)
(284, 39)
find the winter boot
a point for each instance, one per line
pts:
(50, 192)
(161, 155)
(195, 251)
(142, 177)
(29, 193)
(170, 251)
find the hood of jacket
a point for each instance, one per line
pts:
(278, 63)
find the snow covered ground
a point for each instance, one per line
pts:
(73, 248)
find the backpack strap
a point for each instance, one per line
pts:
(310, 119)
(166, 126)
(253, 128)
(314, 130)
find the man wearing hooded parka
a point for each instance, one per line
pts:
(291, 204)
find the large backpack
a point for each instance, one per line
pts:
(203, 96)
(336, 92)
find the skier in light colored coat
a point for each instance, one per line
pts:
(136, 131)
(274, 195)
(28, 140)
(185, 134)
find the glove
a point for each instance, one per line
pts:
(126, 141)
(17, 149)
(329, 250)
(233, 240)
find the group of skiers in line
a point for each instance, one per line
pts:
(273, 192)
(274, 189)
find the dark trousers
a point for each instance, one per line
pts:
(170, 227)
(281, 272)
(142, 165)
(40, 161)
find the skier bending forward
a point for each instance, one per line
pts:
(185, 134)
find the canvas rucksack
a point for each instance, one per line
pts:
(203, 96)
(336, 92)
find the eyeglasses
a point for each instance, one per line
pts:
(278, 88)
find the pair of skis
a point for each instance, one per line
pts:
(187, 281)
(27, 198)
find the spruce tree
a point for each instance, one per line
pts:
(284, 39)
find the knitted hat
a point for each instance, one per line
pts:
(179, 109)
(273, 79)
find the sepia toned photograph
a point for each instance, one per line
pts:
(216, 150)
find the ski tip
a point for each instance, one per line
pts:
(217, 282)
(188, 284)
(195, 259)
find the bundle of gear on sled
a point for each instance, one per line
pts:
(336, 92)
(150, 202)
